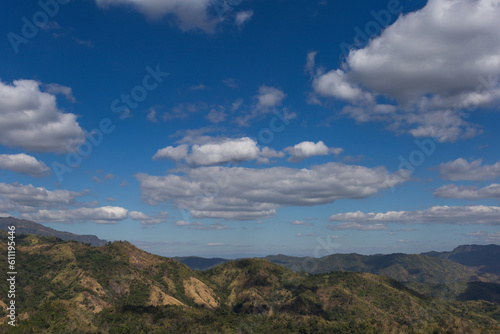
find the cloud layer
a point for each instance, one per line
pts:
(473, 214)
(246, 193)
(102, 215)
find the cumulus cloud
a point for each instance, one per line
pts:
(468, 192)
(307, 149)
(189, 14)
(459, 215)
(24, 164)
(173, 153)
(101, 215)
(29, 119)
(246, 193)
(334, 84)
(432, 64)
(462, 169)
(243, 17)
(217, 151)
(28, 197)
(148, 220)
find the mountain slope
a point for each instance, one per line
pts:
(26, 226)
(69, 287)
(484, 258)
(200, 263)
(402, 267)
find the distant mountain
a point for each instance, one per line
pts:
(401, 267)
(29, 227)
(430, 268)
(485, 258)
(69, 287)
(200, 263)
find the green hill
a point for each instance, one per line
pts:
(68, 287)
(29, 227)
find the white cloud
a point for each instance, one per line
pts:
(461, 169)
(243, 17)
(334, 84)
(54, 88)
(246, 193)
(269, 97)
(182, 223)
(217, 115)
(307, 149)
(305, 235)
(217, 151)
(311, 62)
(152, 116)
(485, 237)
(30, 119)
(468, 192)
(189, 14)
(101, 215)
(28, 197)
(431, 63)
(184, 110)
(198, 87)
(148, 220)
(173, 153)
(268, 153)
(212, 227)
(300, 222)
(459, 215)
(267, 100)
(358, 227)
(24, 164)
(230, 82)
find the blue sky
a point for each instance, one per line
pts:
(247, 128)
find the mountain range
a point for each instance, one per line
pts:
(73, 287)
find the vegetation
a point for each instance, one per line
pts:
(70, 287)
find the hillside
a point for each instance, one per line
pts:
(70, 287)
(200, 263)
(484, 258)
(26, 226)
(401, 267)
